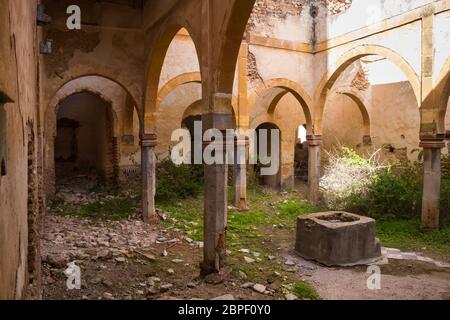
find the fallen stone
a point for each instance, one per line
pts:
(226, 297)
(249, 260)
(155, 279)
(107, 283)
(57, 261)
(248, 285)
(121, 260)
(166, 287)
(95, 281)
(191, 285)
(171, 271)
(259, 288)
(290, 263)
(150, 257)
(152, 292)
(242, 275)
(291, 297)
(177, 261)
(108, 296)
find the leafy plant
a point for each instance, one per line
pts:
(177, 182)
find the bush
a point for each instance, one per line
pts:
(178, 182)
(346, 175)
(366, 186)
(395, 192)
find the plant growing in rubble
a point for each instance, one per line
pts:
(347, 174)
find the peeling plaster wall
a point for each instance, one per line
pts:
(18, 80)
(110, 44)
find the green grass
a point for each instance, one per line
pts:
(188, 215)
(113, 209)
(303, 291)
(406, 235)
(250, 230)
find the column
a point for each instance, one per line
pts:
(314, 144)
(240, 174)
(148, 144)
(431, 182)
(215, 217)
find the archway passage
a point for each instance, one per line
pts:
(286, 103)
(266, 130)
(84, 144)
(301, 155)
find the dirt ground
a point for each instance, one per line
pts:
(130, 260)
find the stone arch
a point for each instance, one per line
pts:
(50, 134)
(329, 79)
(61, 96)
(362, 104)
(288, 86)
(442, 92)
(182, 79)
(274, 181)
(156, 59)
(132, 89)
(185, 78)
(230, 40)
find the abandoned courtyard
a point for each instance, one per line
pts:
(122, 258)
(243, 150)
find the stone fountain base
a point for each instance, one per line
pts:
(337, 239)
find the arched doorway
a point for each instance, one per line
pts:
(84, 142)
(271, 181)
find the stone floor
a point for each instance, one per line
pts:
(408, 278)
(396, 254)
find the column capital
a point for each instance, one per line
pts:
(149, 140)
(314, 140)
(435, 142)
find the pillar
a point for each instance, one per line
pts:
(240, 175)
(431, 182)
(314, 144)
(215, 217)
(148, 144)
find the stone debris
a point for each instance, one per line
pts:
(170, 271)
(249, 260)
(227, 297)
(290, 263)
(177, 261)
(259, 288)
(291, 297)
(166, 287)
(108, 296)
(248, 285)
(67, 239)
